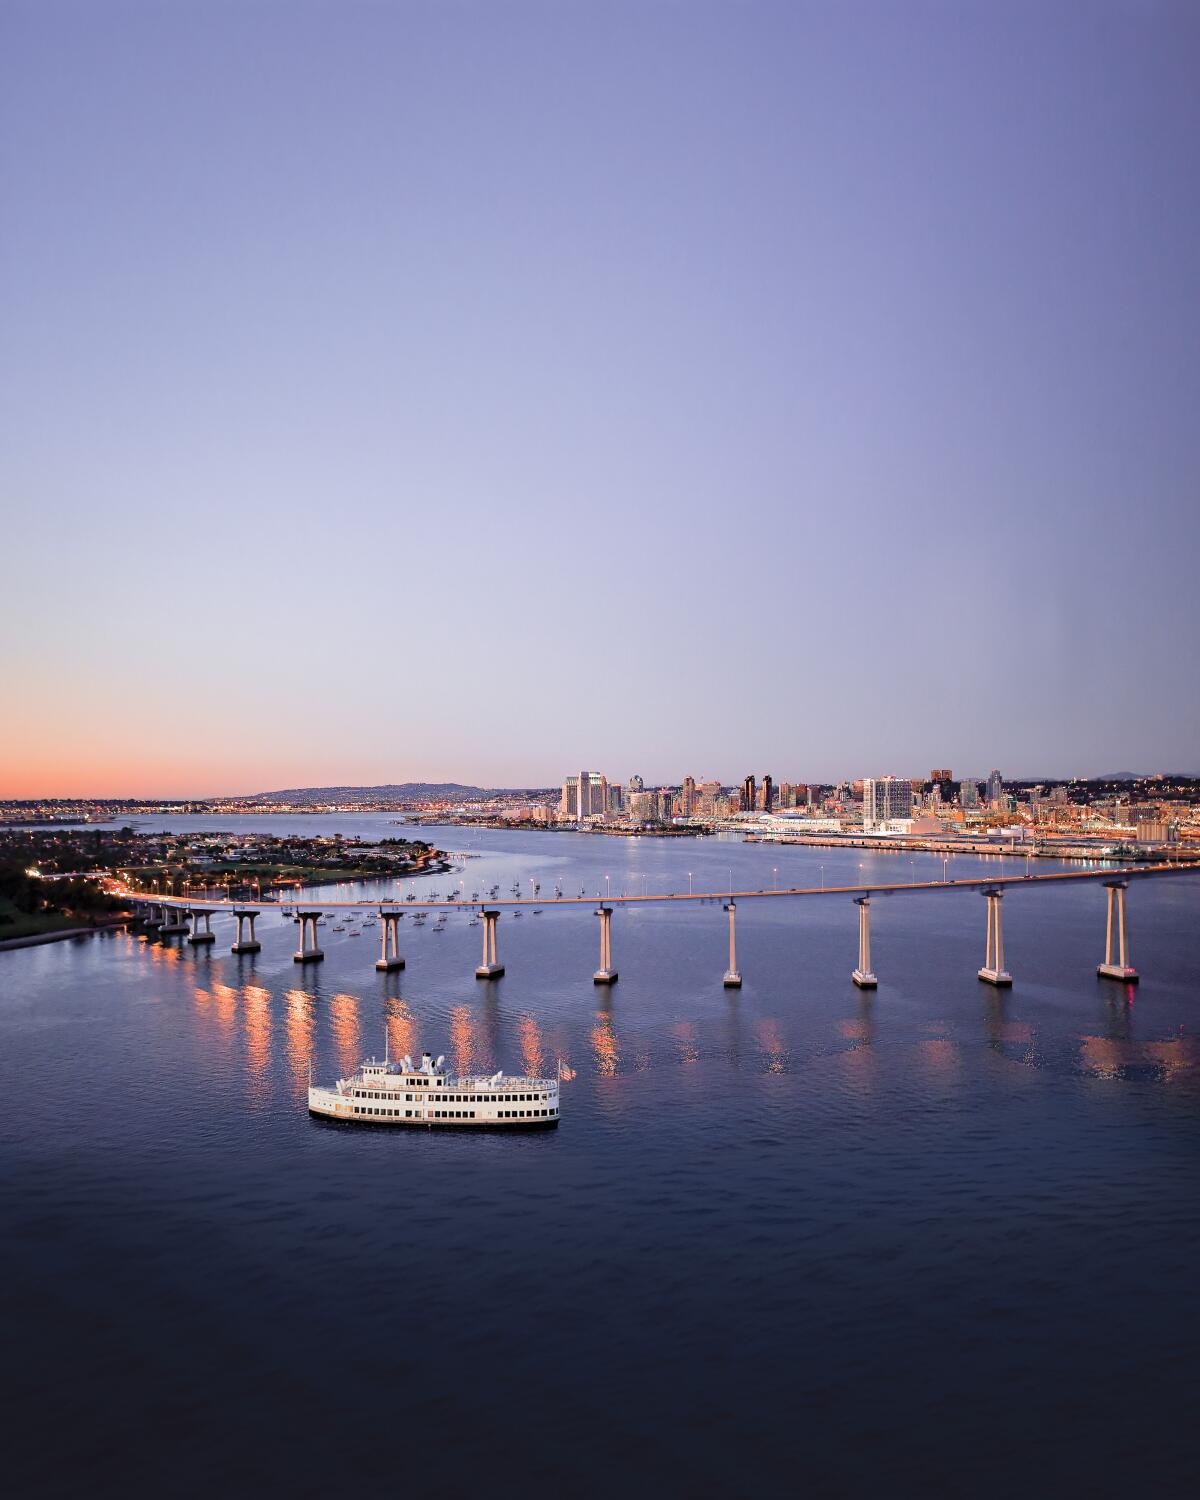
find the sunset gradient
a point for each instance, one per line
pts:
(474, 392)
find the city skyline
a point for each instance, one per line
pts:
(976, 779)
(198, 794)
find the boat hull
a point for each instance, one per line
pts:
(369, 1122)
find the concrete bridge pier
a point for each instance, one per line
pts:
(175, 920)
(1122, 969)
(864, 976)
(491, 967)
(389, 950)
(244, 945)
(733, 975)
(309, 952)
(993, 971)
(605, 974)
(151, 915)
(200, 934)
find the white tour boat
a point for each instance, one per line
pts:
(390, 1093)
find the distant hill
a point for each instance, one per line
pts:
(405, 791)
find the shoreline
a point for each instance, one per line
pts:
(898, 845)
(36, 939)
(438, 865)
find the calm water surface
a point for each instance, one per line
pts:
(935, 1239)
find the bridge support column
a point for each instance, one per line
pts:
(491, 967)
(243, 944)
(308, 952)
(1122, 969)
(152, 916)
(605, 974)
(993, 971)
(733, 976)
(389, 949)
(200, 934)
(863, 976)
(176, 920)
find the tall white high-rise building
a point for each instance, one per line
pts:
(886, 800)
(584, 796)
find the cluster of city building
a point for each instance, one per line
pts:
(881, 806)
(1121, 810)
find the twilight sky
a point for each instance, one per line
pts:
(480, 391)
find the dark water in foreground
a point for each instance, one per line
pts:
(937, 1239)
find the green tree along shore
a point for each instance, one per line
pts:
(29, 907)
(56, 879)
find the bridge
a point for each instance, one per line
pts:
(192, 916)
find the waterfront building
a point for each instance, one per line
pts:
(687, 798)
(766, 795)
(885, 801)
(968, 793)
(584, 796)
(995, 787)
(749, 794)
(643, 807)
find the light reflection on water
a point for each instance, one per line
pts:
(403, 1034)
(532, 1057)
(604, 1045)
(939, 1054)
(299, 1021)
(225, 1005)
(256, 1012)
(347, 1034)
(462, 1040)
(769, 1035)
(1114, 1058)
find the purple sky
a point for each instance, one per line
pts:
(408, 391)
